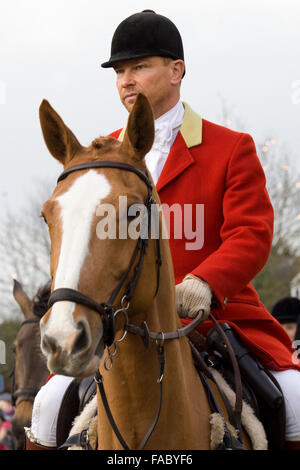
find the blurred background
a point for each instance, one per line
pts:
(243, 72)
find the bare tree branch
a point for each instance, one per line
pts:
(24, 249)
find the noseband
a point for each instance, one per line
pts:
(106, 309)
(25, 393)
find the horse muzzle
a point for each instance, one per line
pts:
(71, 348)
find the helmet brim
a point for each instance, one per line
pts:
(138, 55)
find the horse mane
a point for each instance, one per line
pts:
(40, 300)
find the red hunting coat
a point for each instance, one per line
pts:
(211, 165)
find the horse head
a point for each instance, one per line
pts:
(30, 371)
(87, 262)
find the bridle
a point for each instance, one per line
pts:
(24, 393)
(106, 309)
(108, 312)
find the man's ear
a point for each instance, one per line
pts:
(139, 135)
(61, 142)
(178, 70)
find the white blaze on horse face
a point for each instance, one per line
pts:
(78, 207)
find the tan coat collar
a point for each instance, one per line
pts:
(191, 128)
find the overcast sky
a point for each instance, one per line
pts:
(246, 50)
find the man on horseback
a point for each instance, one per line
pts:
(193, 160)
(196, 162)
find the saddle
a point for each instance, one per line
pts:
(78, 394)
(259, 387)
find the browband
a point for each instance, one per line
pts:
(106, 164)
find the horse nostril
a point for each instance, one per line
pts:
(50, 345)
(82, 339)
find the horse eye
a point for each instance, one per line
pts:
(43, 216)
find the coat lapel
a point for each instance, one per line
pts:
(180, 158)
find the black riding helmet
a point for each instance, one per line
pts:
(145, 34)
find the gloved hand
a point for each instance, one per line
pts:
(192, 295)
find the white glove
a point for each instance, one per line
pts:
(193, 295)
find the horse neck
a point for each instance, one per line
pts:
(162, 313)
(132, 388)
(131, 385)
(132, 382)
(164, 300)
(159, 311)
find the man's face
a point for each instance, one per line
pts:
(151, 76)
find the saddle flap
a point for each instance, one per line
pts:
(68, 410)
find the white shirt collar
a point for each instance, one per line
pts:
(166, 124)
(166, 129)
(173, 117)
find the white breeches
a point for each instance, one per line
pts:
(46, 407)
(47, 403)
(289, 381)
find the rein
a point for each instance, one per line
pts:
(24, 393)
(159, 338)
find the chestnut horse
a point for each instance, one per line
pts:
(101, 280)
(30, 371)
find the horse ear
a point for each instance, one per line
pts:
(22, 299)
(139, 135)
(61, 142)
